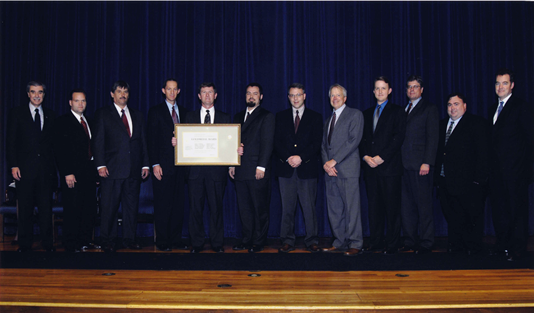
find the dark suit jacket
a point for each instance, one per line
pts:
(71, 146)
(511, 140)
(217, 173)
(386, 141)
(421, 139)
(124, 156)
(306, 143)
(257, 136)
(25, 150)
(160, 132)
(465, 156)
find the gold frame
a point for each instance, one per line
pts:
(227, 149)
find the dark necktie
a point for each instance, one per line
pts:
(375, 118)
(37, 122)
(332, 122)
(87, 133)
(207, 118)
(248, 115)
(175, 118)
(409, 108)
(447, 135)
(125, 122)
(297, 122)
(499, 109)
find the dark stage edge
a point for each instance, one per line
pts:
(259, 261)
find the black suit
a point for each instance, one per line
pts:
(511, 170)
(124, 157)
(383, 183)
(254, 196)
(207, 182)
(71, 147)
(419, 147)
(302, 181)
(169, 192)
(465, 163)
(32, 153)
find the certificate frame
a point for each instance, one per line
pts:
(212, 144)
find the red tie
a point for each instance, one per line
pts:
(409, 108)
(174, 116)
(297, 121)
(87, 133)
(125, 122)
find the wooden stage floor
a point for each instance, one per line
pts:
(37, 290)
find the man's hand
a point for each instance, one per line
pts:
(241, 150)
(174, 142)
(16, 173)
(144, 173)
(378, 160)
(231, 172)
(259, 174)
(369, 160)
(158, 171)
(294, 161)
(424, 170)
(70, 179)
(329, 168)
(103, 172)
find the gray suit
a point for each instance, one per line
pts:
(343, 191)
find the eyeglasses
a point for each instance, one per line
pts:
(298, 95)
(413, 87)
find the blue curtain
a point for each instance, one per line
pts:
(453, 45)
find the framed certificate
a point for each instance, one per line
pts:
(212, 144)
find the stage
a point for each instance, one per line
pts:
(63, 288)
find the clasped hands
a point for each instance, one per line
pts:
(373, 161)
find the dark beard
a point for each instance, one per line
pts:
(251, 104)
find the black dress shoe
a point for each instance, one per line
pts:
(218, 249)
(72, 250)
(455, 250)
(255, 248)
(50, 249)
(390, 251)
(422, 250)
(314, 248)
(372, 248)
(472, 251)
(24, 249)
(514, 256)
(180, 246)
(163, 248)
(240, 247)
(90, 246)
(406, 249)
(196, 249)
(286, 248)
(109, 248)
(133, 245)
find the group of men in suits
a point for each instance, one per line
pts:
(406, 151)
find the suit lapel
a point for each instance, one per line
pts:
(418, 108)
(116, 117)
(251, 118)
(383, 116)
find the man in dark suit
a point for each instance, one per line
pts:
(31, 159)
(297, 146)
(383, 134)
(342, 133)
(418, 157)
(253, 177)
(169, 182)
(461, 174)
(121, 158)
(207, 182)
(77, 174)
(511, 167)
